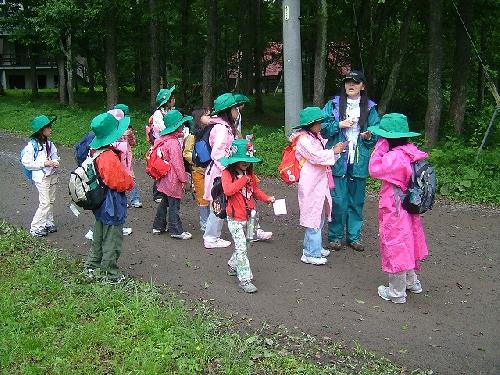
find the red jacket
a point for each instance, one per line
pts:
(112, 172)
(240, 192)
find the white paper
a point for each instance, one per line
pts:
(279, 206)
(74, 209)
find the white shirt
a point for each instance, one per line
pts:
(352, 112)
(37, 165)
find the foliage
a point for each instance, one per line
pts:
(54, 321)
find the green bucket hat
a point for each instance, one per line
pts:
(241, 99)
(124, 108)
(107, 129)
(241, 150)
(310, 115)
(223, 102)
(41, 121)
(164, 96)
(393, 125)
(173, 119)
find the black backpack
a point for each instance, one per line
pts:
(202, 150)
(421, 189)
(219, 202)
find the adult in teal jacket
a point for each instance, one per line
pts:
(349, 115)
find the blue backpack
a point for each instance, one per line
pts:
(82, 148)
(26, 171)
(202, 150)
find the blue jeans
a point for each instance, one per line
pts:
(171, 206)
(134, 194)
(312, 241)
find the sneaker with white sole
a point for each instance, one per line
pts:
(51, 228)
(182, 236)
(218, 243)
(118, 280)
(89, 235)
(136, 204)
(383, 292)
(248, 287)
(231, 271)
(158, 231)
(261, 235)
(415, 288)
(313, 260)
(89, 273)
(126, 231)
(325, 253)
(39, 232)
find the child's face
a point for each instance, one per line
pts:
(171, 102)
(47, 131)
(234, 113)
(243, 165)
(316, 127)
(353, 88)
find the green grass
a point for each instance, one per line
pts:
(460, 177)
(53, 321)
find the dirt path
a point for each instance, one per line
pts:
(452, 328)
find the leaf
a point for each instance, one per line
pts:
(360, 301)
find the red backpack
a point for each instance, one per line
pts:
(290, 166)
(156, 166)
(149, 131)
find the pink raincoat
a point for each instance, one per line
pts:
(221, 138)
(402, 238)
(172, 184)
(315, 178)
(124, 145)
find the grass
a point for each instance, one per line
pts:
(460, 177)
(54, 321)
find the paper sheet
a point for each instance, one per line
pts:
(279, 206)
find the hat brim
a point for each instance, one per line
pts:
(51, 121)
(177, 125)
(353, 79)
(165, 101)
(123, 125)
(393, 135)
(310, 122)
(216, 112)
(236, 159)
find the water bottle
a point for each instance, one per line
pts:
(251, 225)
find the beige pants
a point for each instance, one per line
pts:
(399, 282)
(44, 215)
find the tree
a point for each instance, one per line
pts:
(257, 57)
(210, 53)
(434, 100)
(320, 54)
(154, 61)
(110, 39)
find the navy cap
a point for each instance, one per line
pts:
(355, 75)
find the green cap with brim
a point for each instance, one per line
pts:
(223, 102)
(173, 120)
(40, 122)
(164, 96)
(241, 99)
(393, 125)
(107, 129)
(241, 151)
(124, 108)
(310, 115)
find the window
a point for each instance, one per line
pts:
(17, 82)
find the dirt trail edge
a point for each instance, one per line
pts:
(452, 327)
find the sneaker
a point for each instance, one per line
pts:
(231, 271)
(313, 260)
(51, 228)
(157, 200)
(383, 292)
(136, 204)
(325, 253)
(248, 287)
(218, 243)
(357, 246)
(262, 235)
(39, 232)
(158, 231)
(126, 231)
(118, 280)
(335, 245)
(89, 273)
(415, 288)
(89, 235)
(182, 236)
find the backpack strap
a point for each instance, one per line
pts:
(34, 143)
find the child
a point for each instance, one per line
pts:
(108, 229)
(125, 144)
(170, 186)
(349, 116)
(240, 186)
(315, 182)
(402, 238)
(43, 164)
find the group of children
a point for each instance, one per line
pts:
(332, 144)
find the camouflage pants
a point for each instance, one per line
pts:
(239, 260)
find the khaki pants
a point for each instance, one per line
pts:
(399, 282)
(106, 249)
(44, 215)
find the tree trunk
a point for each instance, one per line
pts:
(258, 53)
(110, 62)
(210, 53)
(248, 41)
(434, 100)
(34, 79)
(154, 62)
(320, 54)
(461, 67)
(398, 59)
(63, 98)
(480, 69)
(185, 48)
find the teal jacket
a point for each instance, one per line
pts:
(330, 130)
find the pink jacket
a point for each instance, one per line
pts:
(124, 145)
(315, 178)
(402, 237)
(172, 183)
(221, 138)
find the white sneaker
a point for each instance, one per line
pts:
(415, 288)
(157, 231)
(313, 260)
(182, 236)
(383, 292)
(126, 231)
(89, 235)
(218, 243)
(325, 253)
(136, 204)
(262, 235)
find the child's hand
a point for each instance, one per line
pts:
(366, 135)
(271, 199)
(347, 123)
(339, 147)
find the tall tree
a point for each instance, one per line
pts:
(434, 100)
(398, 58)
(257, 57)
(61, 84)
(185, 12)
(210, 53)
(32, 56)
(154, 61)
(320, 54)
(110, 39)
